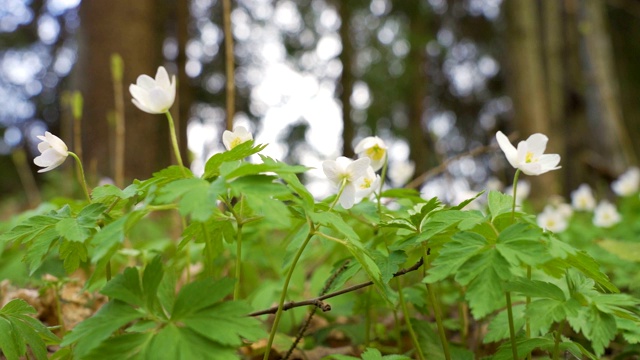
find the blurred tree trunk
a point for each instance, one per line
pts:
(526, 83)
(346, 79)
(134, 30)
(185, 88)
(613, 144)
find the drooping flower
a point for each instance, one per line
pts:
(367, 183)
(554, 218)
(53, 152)
(401, 172)
(529, 157)
(628, 183)
(583, 199)
(344, 172)
(606, 215)
(154, 96)
(374, 148)
(239, 135)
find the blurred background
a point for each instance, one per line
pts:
(435, 79)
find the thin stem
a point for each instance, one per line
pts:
(512, 331)
(407, 319)
(383, 176)
(174, 142)
(527, 325)
(236, 290)
(116, 75)
(343, 184)
(557, 340)
(82, 180)
(436, 308)
(283, 295)
(515, 187)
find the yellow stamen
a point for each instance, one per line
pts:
(235, 142)
(529, 157)
(375, 152)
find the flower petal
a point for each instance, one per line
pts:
(56, 143)
(509, 150)
(162, 78)
(146, 82)
(330, 169)
(549, 161)
(358, 168)
(537, 143)
(348, 196)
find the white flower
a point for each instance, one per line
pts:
(344, 171)
(53, 152)
(239, 135)
(401, 172)
(553, 219)
(627, 184)
(374, 148)
(154, 96)
(529, 157)
(522, 192)
(582, 198)
(367, 184)
(605, 215)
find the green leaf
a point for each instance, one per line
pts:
(602, 329)
(270, 166)
(225, 323)
(294, 184)
(544, 312)
(588, 266)
(197, 197)
(151, 279)
(18, 330)
(126, 287)
(108, 193)
(173, 342)
(522, 244)
(162, 177)
(92, 331)
(126, 346)
(454, 254)
(535, 288)
(212, 167)
(73, 253)
(334, 221)
(390, 264)
(199, 295)
(499, 204)
(499, 327)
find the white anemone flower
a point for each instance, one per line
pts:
(344, 172)
(628, 183)
(553, 219)
(367, 184)
(582, 199)
(529, 157)
(239, 135)
(53, 152)
(154, 96)
(374, 148)
(605, 215)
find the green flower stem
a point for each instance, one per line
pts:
(407, 319)
(285, 287)
(436, 307)
(515, 187)
(527, 325)
(343, 184)
(174, 142)
(82, 179)
(236, 289)
(557, 340)
(367, 318)
(512, 331)
(383, 176)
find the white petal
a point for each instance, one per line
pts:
(138, 92)
(227, 139)
(549, 161)
(159, 101)
(143, 107)
(509, 150)
(56, 143)
(377, 164)
(331, 170)
(162, 78)
(145, 82)
(358, 168)
(348, 196)
(537, 143)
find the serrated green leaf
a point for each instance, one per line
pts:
(225, 323)
(212, 167)
(197, 197)
(499, 327)
(162, 177)
(151, 279)
(588, 266)
(544, 312)
(499, 204)
(200, 294)
(125, 287)
(127, 346)
(524, 346)
(334, 221)
(390, 264)
(454, 254)
(410, 194)
(421, 210)
(40, 247)
(19, 330)
(88, 334)
(108, 192)
(271, 166)
(602, 329)
(69, 229)
(73, 253)
(535, 288)
(522, 244)
(174, 342)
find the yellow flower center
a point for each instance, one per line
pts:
(529, 157)
(366, 183)
(235, 142)
(375, 152)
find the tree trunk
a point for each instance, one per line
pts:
(526, 82)
(134, 30)
(346, 79)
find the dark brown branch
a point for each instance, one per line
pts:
(319, 300)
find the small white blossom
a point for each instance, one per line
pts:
(239, 135)
(553, 219)
(374, 148)
(154, 96)
(627, 184)
(583, 199)
(346, 172)
(605, 215)
(401, 172)
(53, 152)
(367, 184)
(529, 157)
